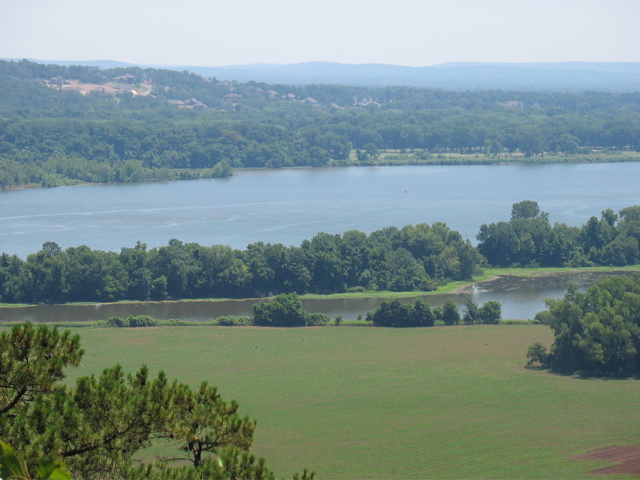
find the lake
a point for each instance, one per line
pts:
(288, 206)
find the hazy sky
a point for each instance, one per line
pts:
(400, 32)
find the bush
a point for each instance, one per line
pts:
(356, 323)
(117, 322)
(537, 353)
(284, 311)
(317, 320)
(233, 321)
(142, 321)
(356, 289)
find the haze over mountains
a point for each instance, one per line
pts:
(564, 76)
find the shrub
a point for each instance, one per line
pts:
(317, 319)
(142, 321)
(233, 321)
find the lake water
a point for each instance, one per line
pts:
(288, 206)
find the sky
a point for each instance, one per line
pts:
(397, 32)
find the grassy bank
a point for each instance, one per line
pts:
(351, 403)
(487, 274)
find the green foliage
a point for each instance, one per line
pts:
(222, 169)
(54, 137)
(490, 313)
(528, 239)
(525, 209)
(231, 320)
(450, 314)
(32, 360)
(13, 466)
(597, 332)
(395, 314)
(413, 258)
(285, 311)
(537, 353)
(100, 423)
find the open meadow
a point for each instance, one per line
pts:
(355, 403)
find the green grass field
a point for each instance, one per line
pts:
(356, 403)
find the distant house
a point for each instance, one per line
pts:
(513, 104)
(232, 99)
(121, 87)
(195, 104)
(365, 102)
(272, 94)
(289, 96)
(127, 79)
(176, 103)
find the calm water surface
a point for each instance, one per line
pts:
(288, 206)
(521, 298)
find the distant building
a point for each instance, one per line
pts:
(513, 104)
(195, 104)
(127, 79)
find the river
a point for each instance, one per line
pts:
(520, 297)
(288, 206)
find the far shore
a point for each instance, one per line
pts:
(408, 159)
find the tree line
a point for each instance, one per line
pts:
(412, 258)
(97, 425)
(286, 310)
(529, 239)
(395, 314)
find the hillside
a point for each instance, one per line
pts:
(67, 124)
(561, 76)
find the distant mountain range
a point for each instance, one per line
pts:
(564, 76)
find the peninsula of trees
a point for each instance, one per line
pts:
(63, 125)
(412, 258)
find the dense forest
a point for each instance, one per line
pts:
(412, 258)
(67, 124)
(529, 239)
(596, 332)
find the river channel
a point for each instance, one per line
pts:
(291, 205)
(520, 297)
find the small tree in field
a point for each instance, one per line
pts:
(284, 311)
(450, 313)
(490, 312)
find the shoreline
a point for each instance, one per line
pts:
(501, 279)
(445, 160)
